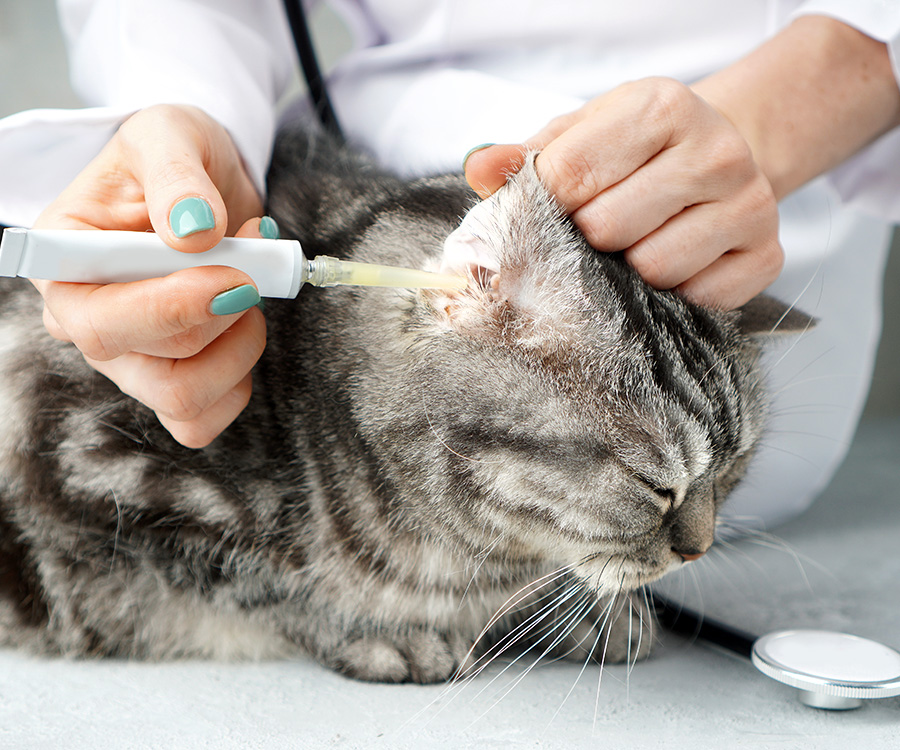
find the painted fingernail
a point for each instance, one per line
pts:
(191, 215)
(234, 300)
(471, 151)
(268, 228)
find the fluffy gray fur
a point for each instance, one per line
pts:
(417, 475)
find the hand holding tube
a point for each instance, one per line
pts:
(175, 171)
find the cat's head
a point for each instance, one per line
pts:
(567, 412)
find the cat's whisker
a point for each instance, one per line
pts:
(539, 619)
(578, 603)
(607, 629)
(725, 552)
(605, 615)
(796, 382)
(801, 560)
(781, 449)
(511, 605)
(565, 626)
(480, 560)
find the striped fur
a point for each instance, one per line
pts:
(414, 469)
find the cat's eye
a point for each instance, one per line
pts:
(666, 494)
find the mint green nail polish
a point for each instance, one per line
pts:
(234, 300)
(473, 150)
(268, 228)
(191, 215)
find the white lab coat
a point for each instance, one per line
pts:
(428, 79)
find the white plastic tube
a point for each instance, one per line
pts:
(277, 267)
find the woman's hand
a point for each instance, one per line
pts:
(183, 345)
(685, 180)
(653, 170)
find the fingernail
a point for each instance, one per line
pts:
(473, 150)
(234, 300)
(268, 228)
(191, 215)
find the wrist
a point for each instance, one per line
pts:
(807, 99)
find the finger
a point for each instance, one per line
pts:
(264, 227)
(167, 149)
(662, 188)
(698, 238)
(736, 277)
(613, 135)
(557, 126)
(183, 389)
(193, 340)
(106, 321)
(202, 430)
(487, 169)
(592, 156)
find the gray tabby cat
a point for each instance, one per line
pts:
(415, 469)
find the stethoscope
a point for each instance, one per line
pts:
(831, 670)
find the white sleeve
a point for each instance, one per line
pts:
(870, 181)
(232, 58)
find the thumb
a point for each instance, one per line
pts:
(488, 167)
(183, 203)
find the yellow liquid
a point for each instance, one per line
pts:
(332, 272)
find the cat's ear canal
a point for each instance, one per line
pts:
(467, 252)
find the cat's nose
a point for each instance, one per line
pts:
(689, 555)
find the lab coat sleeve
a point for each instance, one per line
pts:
(232, 58)
(870, 181)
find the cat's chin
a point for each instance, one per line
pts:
(615, 574)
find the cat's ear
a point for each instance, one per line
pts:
(523, 260)
(766, 316)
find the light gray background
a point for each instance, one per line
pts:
(838, 567)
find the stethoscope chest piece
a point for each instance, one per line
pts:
(831, 670)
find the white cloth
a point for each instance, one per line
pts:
(428, 79)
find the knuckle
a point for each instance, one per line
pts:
(602, 228)
(650, 261)
(571, 177)
(771, 259)
(173, 316)
(91, 342)
(730, 154)
(177, 400)
(187, 343)
(669, 99)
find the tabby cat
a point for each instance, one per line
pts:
(417, 473)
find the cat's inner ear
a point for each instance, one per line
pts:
(766, 316)
(468, 253)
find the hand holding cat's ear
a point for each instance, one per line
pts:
(176, 171)
(653, 170)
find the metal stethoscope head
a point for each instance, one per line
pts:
(835, 671)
